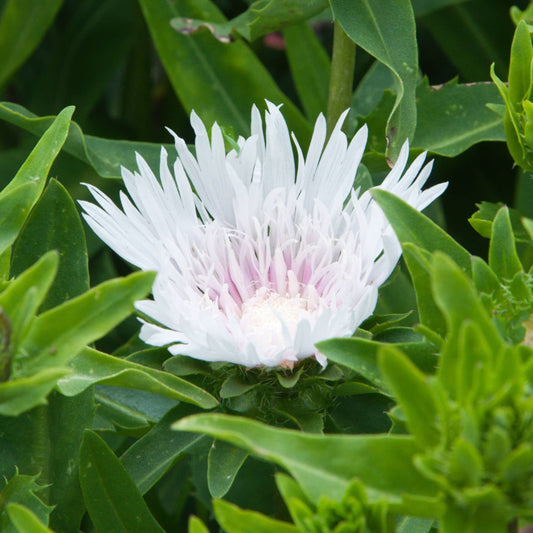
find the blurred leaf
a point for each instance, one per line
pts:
(483, 218)
(310, 68)
(387, 31)
(22, 26)
(503, 259)
(262, 17)
(54, 224)
(423, 7)
(219, 81)
(324, 464)
(414, 395)
(147, 460)
(22, 490)
(223, 464)
(112, 499)
(413, 227)
(58, 335)
(196, 525)
(411, 524)
(24, 520)
(235, 520)
(105, 156)
(234, 386)
(91, 367)
(452, 117)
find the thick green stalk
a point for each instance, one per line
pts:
(341, 79)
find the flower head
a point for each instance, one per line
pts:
(258, 257)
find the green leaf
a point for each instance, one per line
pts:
(520, 81)
(310, 68)
(58, 335)
(219, 81)
(387, 31)
(466, 465)
(483, 219)
(414, 395)
(324, 464)
(223, 464)
(453, 117)
(112, 499)
(196, 525)
(459, 301)
(24, 520)
(21, 394)
(152, 455)
(91, 367)
(105, 156)
(418, 263)
(423, 7)
(503, 259)
(22, 26)
(415, 228)
(410, 524)
(262, 17)
(235, 520)
(54, 224)
(22, 490)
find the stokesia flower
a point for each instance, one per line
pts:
(262, 257)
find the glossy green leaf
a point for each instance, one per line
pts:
(22, 26)
(419, 265)
(22, 490)
(415, 396)
(152, 455)
(453, 117)
(387, 31)
(413, 227)
(324, 464)
(503, 258)
(59, 334)
(235, 520)
(54, 224)
(112, 499)
(262, 17)
(219, 81)
(23, 393)
(223, 464)
(24, 520)
(105, 156)
(92, 367)
(310, 68)
(520, 81)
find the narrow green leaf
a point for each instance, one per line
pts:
(21, 394)
(503, 258)
(412, 226)
(24, 520)
(219, 81)
(324, 464)
(520, 81)
(418, 263)
(411, 524)
(105, 156)
(54, 224)
(22, 26)
(414, 395)
(152, 455)
(387, 31)
(113, 501)
(235, 520)
(91, 367)
(58, 335)
(223, 463)
(310, 68)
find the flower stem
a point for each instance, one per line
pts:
(341, 78)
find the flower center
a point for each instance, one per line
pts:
(264, 315)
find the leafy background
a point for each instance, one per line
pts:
(130, 73)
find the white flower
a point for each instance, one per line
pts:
(267, 257)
